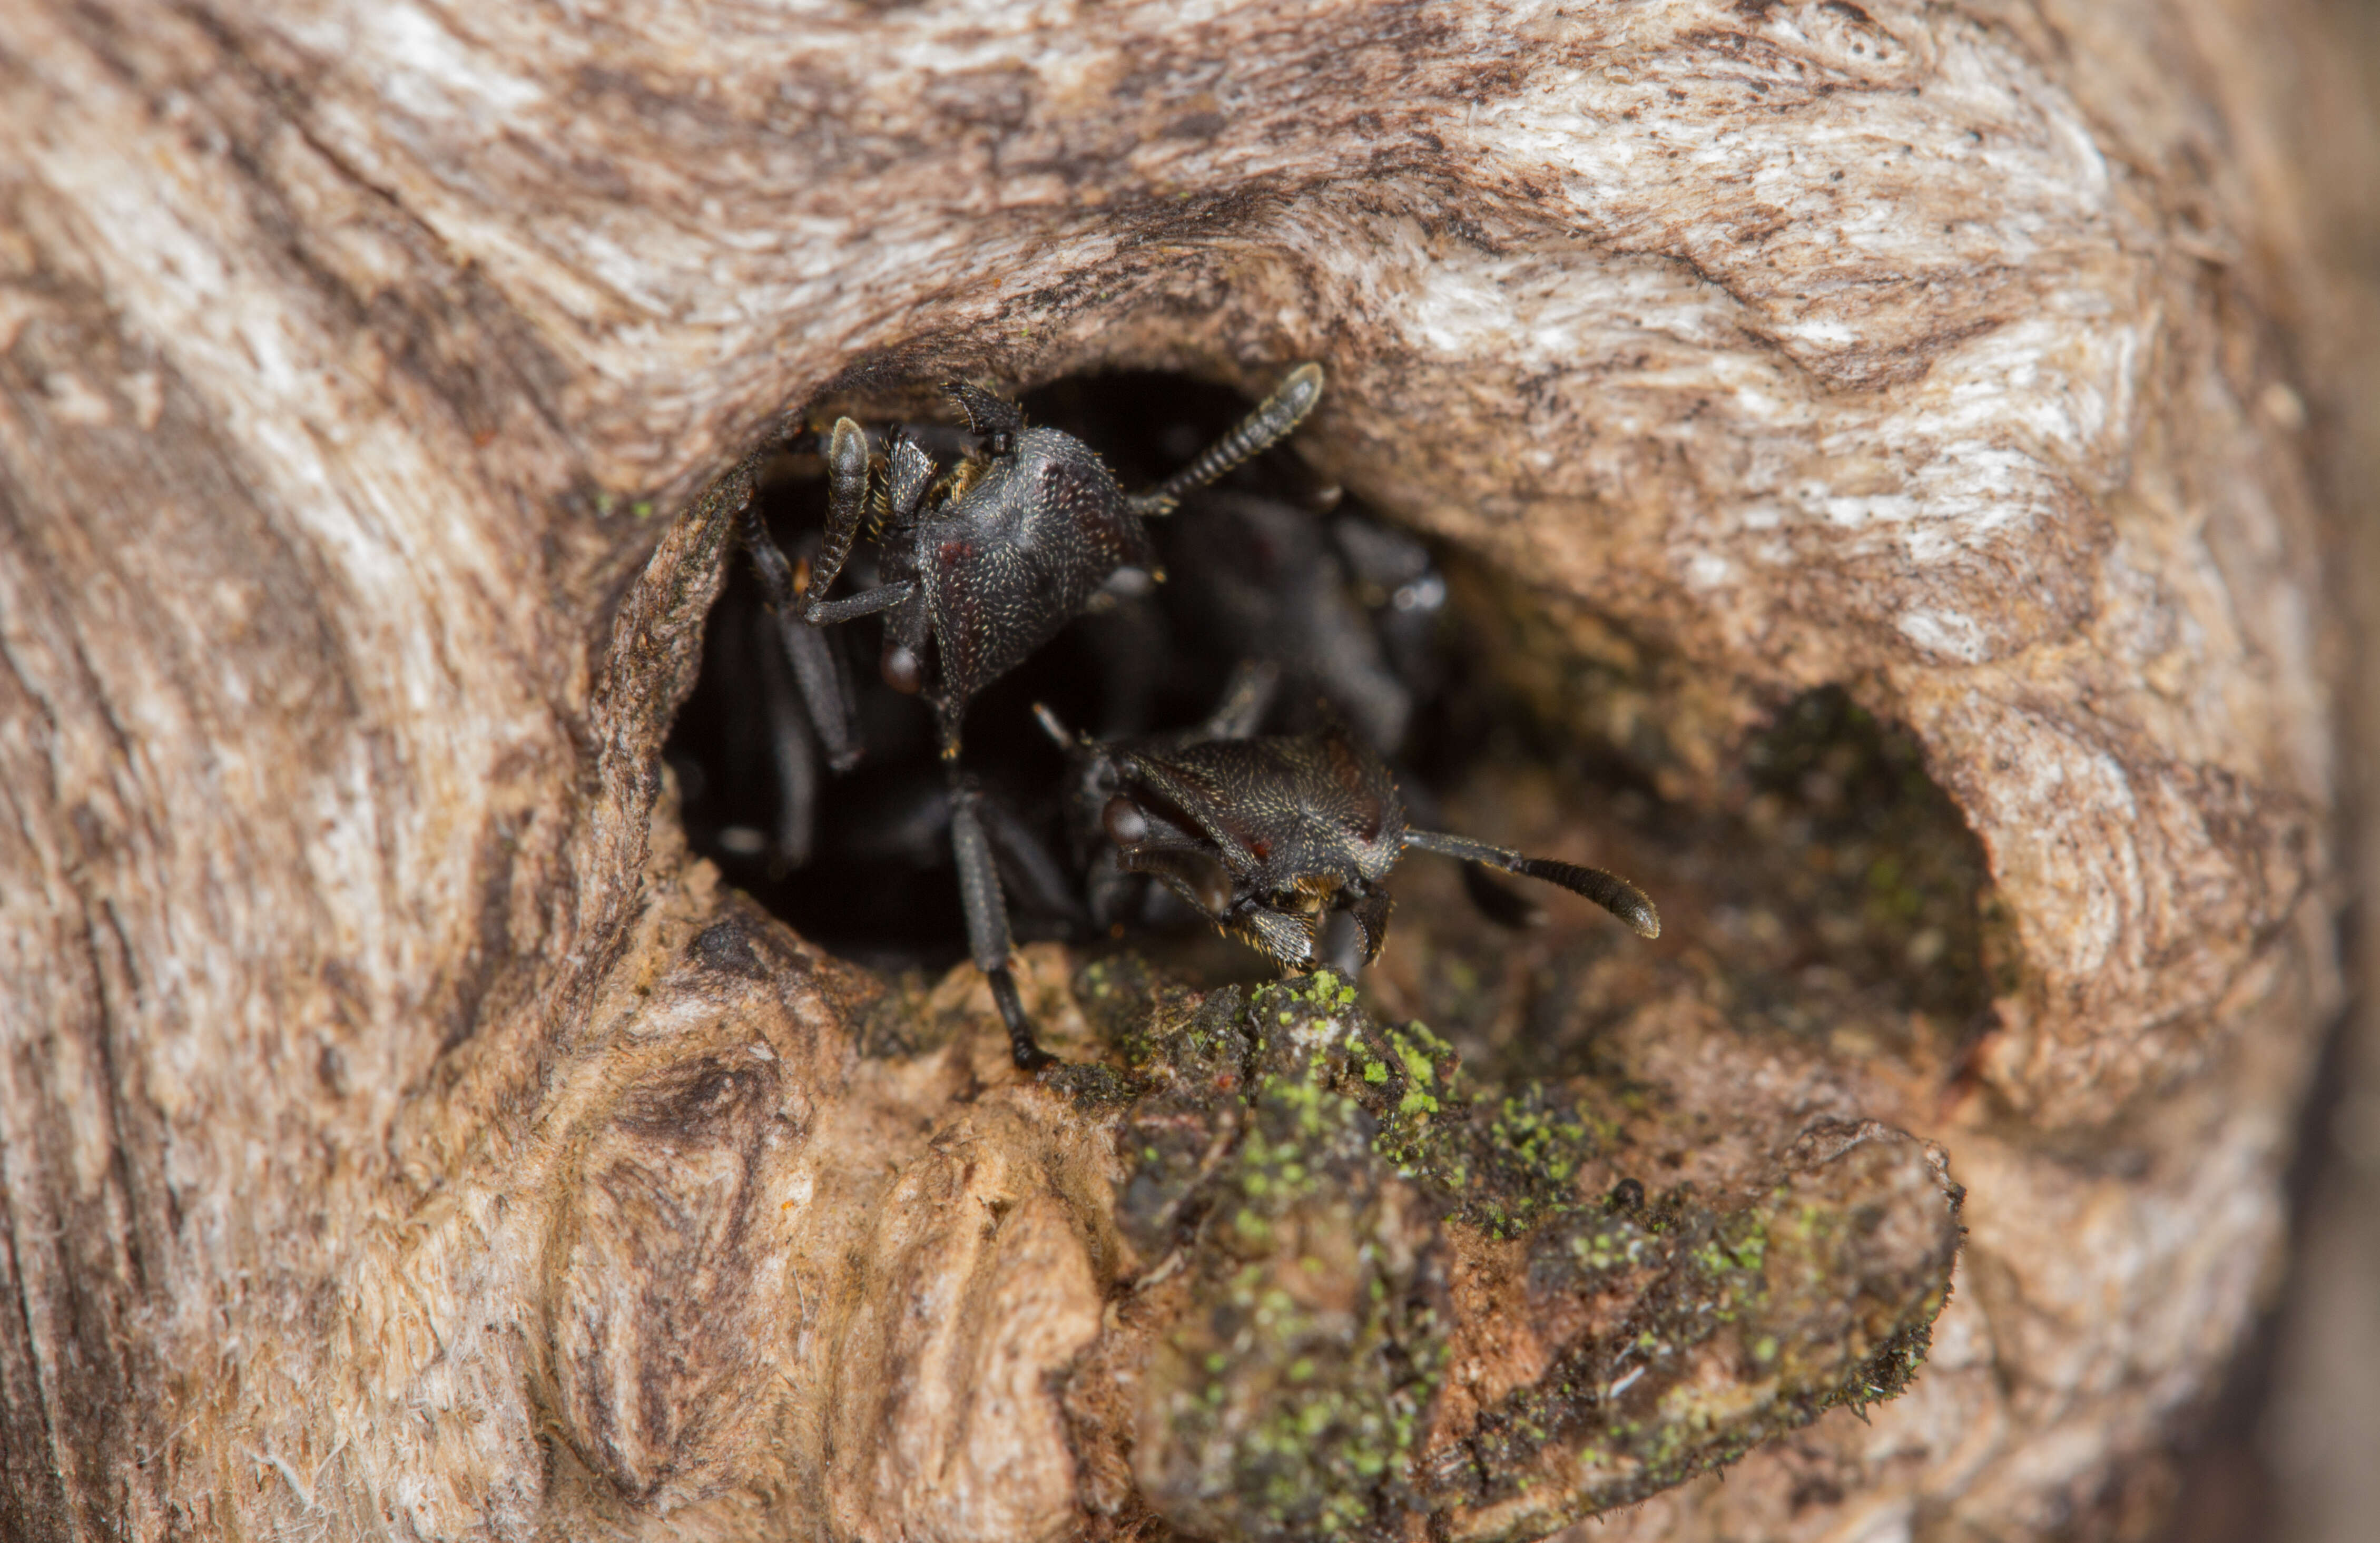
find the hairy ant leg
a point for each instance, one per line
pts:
(1245, 700)
(1260, 578)
(1025, 866)
(816, 667)
(793, 750)
(798, 608)
(986, 922)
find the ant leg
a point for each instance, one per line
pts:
(908, 472)
(1610, 891)
(1273, 418)
(1040, 883)
(865, 603)
(987, 923)
(1127, 638)
(1055, 727)
(826, 687)
(1245, 700)
(768, 559)
(1296, 606)
(847, 480)
(815, 665)
(791, 749)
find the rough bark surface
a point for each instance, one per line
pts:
(401, 1135)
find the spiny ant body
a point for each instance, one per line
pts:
(981, 568)
(1268, 837)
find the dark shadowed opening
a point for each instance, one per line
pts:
(1831, 880)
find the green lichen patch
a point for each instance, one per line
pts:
(1093, 1087)
(1128, 1004)
(1305, 1179)
(1739, 1324)
(1191, 1059)
(1502, 1162)
(1289, 1398)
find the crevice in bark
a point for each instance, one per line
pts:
(1842, 889)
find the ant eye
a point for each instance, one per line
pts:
(899, 668)
(1126, 826)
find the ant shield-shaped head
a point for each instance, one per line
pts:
(1266, 836)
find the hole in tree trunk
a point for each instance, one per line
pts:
(1822, 881)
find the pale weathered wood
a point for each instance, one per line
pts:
(368, 1038)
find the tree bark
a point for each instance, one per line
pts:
(402, 1134)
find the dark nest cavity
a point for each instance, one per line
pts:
(1830, 884)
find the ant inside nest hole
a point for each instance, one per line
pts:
(1833, 884)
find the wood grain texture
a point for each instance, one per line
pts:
(401, 1135)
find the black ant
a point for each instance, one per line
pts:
(981, 566)
(1268, 838)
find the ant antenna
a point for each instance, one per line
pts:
(1610, 891)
